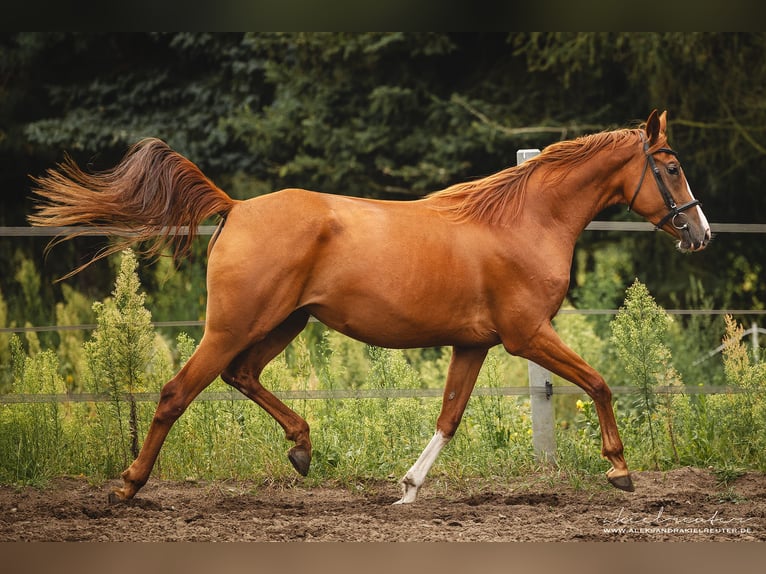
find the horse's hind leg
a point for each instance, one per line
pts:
(243, 374)
(212, 355)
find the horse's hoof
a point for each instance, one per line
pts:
(622, 482)
(117, 496)
(300, 459)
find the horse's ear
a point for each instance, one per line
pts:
(654, 125)
(663, 121)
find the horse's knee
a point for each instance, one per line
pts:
(599, 391)
(171, 405)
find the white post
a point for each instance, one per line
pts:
(523, 155)
(540, 388)
(540, 393)
(756, 348)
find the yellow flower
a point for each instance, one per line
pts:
(580, 405)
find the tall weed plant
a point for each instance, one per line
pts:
(670, 428)
(639, 334)
(122, 358)
(33, 440)
(747, 375)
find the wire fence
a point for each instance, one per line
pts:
(170, 324)
(342, 394)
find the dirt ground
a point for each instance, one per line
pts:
(687, 504)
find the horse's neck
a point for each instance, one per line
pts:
(570, 203)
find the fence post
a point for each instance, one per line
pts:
(540, 393)
(540, 387)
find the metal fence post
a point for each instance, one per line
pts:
(540, 387)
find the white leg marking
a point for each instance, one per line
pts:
(417, 473)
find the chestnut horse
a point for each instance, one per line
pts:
(473, 266)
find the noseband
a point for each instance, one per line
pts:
(675, 213)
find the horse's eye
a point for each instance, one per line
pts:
(673, 169)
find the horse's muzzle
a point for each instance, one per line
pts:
(694, 240)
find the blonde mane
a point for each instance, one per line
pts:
(499, 198)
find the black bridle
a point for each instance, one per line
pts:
(675, 213)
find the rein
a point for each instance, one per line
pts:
(675, 212)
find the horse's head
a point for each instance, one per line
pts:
(668, 202)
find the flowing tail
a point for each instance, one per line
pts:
(153, 195)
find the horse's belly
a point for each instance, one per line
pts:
(383, 326)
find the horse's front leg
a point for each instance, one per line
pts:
(548, 351)
(463, 370)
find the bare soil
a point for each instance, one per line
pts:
(686, 504)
